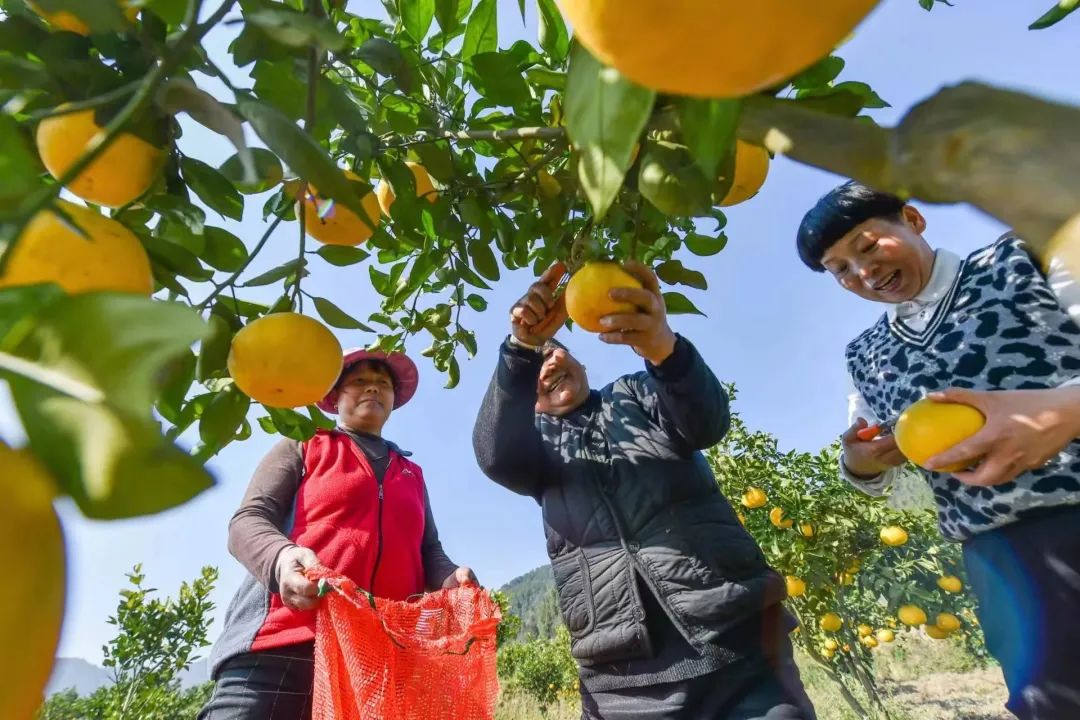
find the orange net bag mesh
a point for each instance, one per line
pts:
(428, 659)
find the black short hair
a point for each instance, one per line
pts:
(837, 213)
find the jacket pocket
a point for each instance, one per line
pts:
(728, 550)
(574, 587)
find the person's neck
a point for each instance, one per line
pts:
(373, 432)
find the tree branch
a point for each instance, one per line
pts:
(239, 271)
(1012, 155)
(142, 97)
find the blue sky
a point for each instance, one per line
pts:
(773, 327)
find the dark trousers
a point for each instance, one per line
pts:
(764, 688)
(1026, 577)
(771, 694)
(267, 685)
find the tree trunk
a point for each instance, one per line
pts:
(1014, 156)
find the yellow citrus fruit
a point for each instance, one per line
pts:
(109, 257)
(796, 586)
(894, 535)
(832, 645)
(950, 583)
(865, 630)
(869, 641)
(549, 186)
(828, 654)
(120, 174)
(806, 529)
(63, 20)
(32, 604)
(754, 498)
(587, 294)
(742, 518)
(935, 632)
(748, 46)
(854, 566)
(424, 188)
(285, 360)
(846, 648)
(927, 428)
(776, 517)
(911, 615)
(846, 578)
(831, 622)
(339, 225)
(885, 635)
(947, 622)
(751, 169)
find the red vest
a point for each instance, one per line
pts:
(367, 531)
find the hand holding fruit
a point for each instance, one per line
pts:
(1024, 430)
(868, 458)
(537, 316)
(647, 330)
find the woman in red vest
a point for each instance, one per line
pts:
(346, 499)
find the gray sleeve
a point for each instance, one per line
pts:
(437, 566)
(257, 529)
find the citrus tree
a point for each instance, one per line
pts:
(129, 316)
(858, 572)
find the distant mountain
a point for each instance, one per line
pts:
(77, 673)
(533, 599)
(86, 677)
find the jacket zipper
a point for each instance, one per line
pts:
(378, 542)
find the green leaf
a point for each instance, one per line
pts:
(300, 151)
(176, 380)
(453, 374)
(605, 114)
(179, 94)
(289, 423)
(449, 14)
(222, 418)
(19, 167)
(286, 269)
(174, 256)
(223, 251)
(673, 273)
(466, 273)
(708, 129)
(1055, 14)
(482, 31)
(819, 74)
(101, 15)
(552, 30)
(84, 393)
(679, 304)
(477, 303)
(483, 259)
(416, 16)
(212, 188)
(704, 245)
(544, 78)
(386, 58)
(267, 171)
(496, 77)
(214, 351)
(171, 11)
(295, 29)
(336, 317)
(342, 255)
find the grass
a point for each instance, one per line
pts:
(919, 678)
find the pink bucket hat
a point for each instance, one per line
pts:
(406, 376)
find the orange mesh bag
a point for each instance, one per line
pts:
(428, 659)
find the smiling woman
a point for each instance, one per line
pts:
(346, 500)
